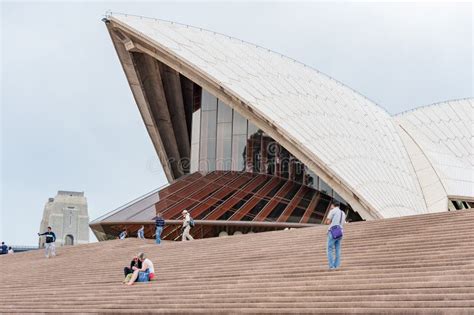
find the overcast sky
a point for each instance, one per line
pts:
(69, 121)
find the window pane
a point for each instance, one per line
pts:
(224, 159)
(299, 171)
(207, 159)
(323, 187)
(239, 124)
(224, 137)
(224, 146)
(254, 156)
(311, 179)
(195, 136)
(208, 101)
(272, 151)
(284, 163)
(224, 113)
(252, 129)
(238, 152)
(339, 198)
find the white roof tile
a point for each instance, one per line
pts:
(444, 131)
(350, 134)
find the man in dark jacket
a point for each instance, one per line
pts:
(50, 248)
(159, 223)
(3, 249)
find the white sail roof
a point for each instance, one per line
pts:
(444, 132)
(351, 138)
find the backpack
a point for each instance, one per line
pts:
(336, 230)
(191, 222)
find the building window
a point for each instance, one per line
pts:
(207, 154)
(195, 140)
(224, 137)
(239, 139)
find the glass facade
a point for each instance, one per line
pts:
(208, 133)
(239, 141)
(222, 139)
(196, 132)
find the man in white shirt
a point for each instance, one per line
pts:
(186, 226)
(335, 217)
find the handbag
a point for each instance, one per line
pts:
(336, 230)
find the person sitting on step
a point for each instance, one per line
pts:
(145, 273)
(134, 263)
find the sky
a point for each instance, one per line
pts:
(69, 121)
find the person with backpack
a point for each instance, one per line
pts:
(160, 224)
(335, 219)
(50, 248)
(188, 223)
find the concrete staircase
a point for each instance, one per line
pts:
(412, 265)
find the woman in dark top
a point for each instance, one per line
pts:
(134, 263)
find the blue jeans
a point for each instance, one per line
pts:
(143, 276)
(141, 234)
(158, 234)
(334, 246)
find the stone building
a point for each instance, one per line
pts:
(68, 216)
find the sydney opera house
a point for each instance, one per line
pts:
(251, 140)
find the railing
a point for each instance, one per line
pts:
(177, 224)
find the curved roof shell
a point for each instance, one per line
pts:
(444, 134)
(342, 136)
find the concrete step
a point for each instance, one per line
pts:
(411, 265)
